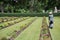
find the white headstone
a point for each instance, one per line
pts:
(43, 11)
(55, 11)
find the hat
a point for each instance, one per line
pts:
(50, 12)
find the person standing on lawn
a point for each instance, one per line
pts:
(51, 20)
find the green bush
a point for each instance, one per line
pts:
(27, 14)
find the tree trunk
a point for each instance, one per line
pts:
(12, 10)
(36, 1)
(31, 5)
(2, 8)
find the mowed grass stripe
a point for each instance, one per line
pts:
(5, 32)
(55, 32)
(32, 32)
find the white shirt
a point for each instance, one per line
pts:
(51, 17)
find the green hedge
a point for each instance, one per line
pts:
(26, 14)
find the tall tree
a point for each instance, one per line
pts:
(2, 6)
(31, 5)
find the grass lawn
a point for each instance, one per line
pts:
(7, 31)
(32, 32)
(55, 32)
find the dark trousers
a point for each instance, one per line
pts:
(51, 22)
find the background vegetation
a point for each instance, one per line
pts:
(26, 6)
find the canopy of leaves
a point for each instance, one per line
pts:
(34, 5)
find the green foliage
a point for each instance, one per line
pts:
(27, 14)
(22, 6)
